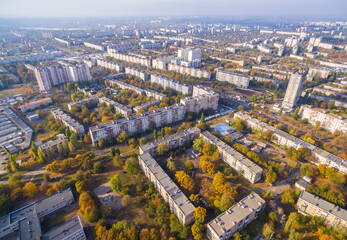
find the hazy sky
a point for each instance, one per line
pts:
(114, 8)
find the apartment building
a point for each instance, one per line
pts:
(202, 90)
(264, 49)
(145, 106)
(92, 100)
(53, 143)
(137, 73)
(235, 218)
(26, 221)
(148, 92)
(138, 123)
(51, 76)
(133, 59)
(310, 204)
(124, 47)
(162, 62)
(72, 124)
(324, 118)
(285, 139)
(119, 108)
(319, 72)
(179, 203)
(173, 141)
(251, 171)
(201, 102)
(32, 57)
(293, 92)
(233, 78)
(194, 72)
(189, 54)
(35, 104)
(109, 65)
(169, 83)
(95, 46)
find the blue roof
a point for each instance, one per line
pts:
(224, 129)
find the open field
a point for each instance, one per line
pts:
(18, 89)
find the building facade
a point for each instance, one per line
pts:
(293, 92)
(72, 124)
(51, 76)
(251, 171)
(233, 78)
(137, 73)
(133, 59)
(169, 83)
(119, 108)
(324, 118)
(138, 123)
(194, 72)
(235, 218)
(310, 204)
(285, 139)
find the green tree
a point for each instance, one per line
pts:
(112, 152)
(200, 214)
(202, 119)
(331, 104)
(296, 113)
(197, 229)
(98, 167)
(162, 149)
(270, 176)
(66, 146)
(74, 140)
(254, 98)
(81, 186)
(280, 111)
(101, 143)
(122, 137)
(171, 166)
(289, 196)
(131, 165)
(34, 149)
(189, 167)
(198, 144)
(155, 135)
(268, 229)
(162, 132)
(116, 183)
(294, 235)
(92, 214)
(41, 155)
(60, 149)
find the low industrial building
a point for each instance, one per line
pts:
(35, 104)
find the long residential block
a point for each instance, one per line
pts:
(235, 218)
(327, 120)
(310, 204)
(93, 100)
(173, 141)
(131, 58)
(179, 203)
(148, 92)
(138, 123)
(169, 83)
(119, 108)
(194, 72)
(251, 171)
(137, 73)
(72, 124)
(109, 65)
(233, 78)
(145, 106)
(285, 139)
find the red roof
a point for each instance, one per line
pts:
(35, 102)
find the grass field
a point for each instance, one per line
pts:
(18, 89)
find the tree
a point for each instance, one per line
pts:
(195, 199)
(296, 113)
(280, 111)
(101, 143)
(254, 98)
(162, 149)
(226, 201)
(131, 165)
(74, 140)
(198, 144)
(80, 186)
(162, 132)
(294, 235)
(202, 119)
(155, 135)
(122, 137)
(98, 167)
(293, 222)
(112, 152)
(41, 155)
(331, 104)
(29, 189)
(126, 200)
(144, 234)
(270, 176)
(60, 149)
(197, 229)
(117, 160)
(154, 234)
(307, 170)
(200, 214)
(34, 149)
(268, 229)
(66, 146)
(116, 183)
(185, 181)
(92, 214)
(289, 196)
(240, 108)
(171, 166)
(189, 167)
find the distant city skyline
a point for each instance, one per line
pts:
(117, 8)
